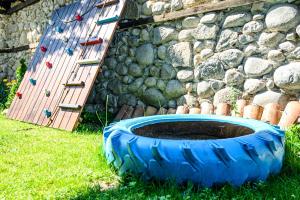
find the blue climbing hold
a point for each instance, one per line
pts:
(32, 81)
(69, 51)
(47, 113)
(59, 29)
(107, 20)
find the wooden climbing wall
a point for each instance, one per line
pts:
(52, 65)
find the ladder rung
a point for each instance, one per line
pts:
(81, 84)
(70, 106)
(88, 61)
(107, 3)
(92, 41)
(108, 20)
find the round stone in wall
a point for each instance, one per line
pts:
(185, 75)
(174, 89)
(282, 17)
(231, 57)
(234, 77)
(226, 95)
(288, 76)
(255, 67)
(204, 89)
(154, 97)
(252, 86)
(145, 54)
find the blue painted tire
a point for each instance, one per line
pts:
(235, 160)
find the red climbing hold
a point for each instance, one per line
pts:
(78, 17)
(49, 65)
(19, 95)
(92, 41)
(43, 49)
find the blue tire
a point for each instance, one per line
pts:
(206, 162)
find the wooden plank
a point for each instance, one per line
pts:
(82, 95)
(16, 107)
(55, 48)
(88, 61)
(128, 113)
(196, 9)
(60, 119)
(107, 3)
(70, 106)
(207, 7)
(74, 84)
(89, 73)
(15, 49)
(121, 113)
(21, 6)
(67, 64)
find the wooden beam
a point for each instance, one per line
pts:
(207, 7)
(106, 3)
(15, 49)
(203, 8)
(20, 6)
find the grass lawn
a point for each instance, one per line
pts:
(42, 163)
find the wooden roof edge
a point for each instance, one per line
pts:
(194, 10)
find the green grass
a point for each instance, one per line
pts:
(42, 163)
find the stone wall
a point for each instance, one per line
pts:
(247, 52)
(250, 52)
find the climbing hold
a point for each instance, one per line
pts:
(69, 51)
(19, 95)
(92, 41)
(43, 49)
(107, 20)
(78, 17)
(59, 29)
(47, 93)
(49, 65)
(32, 81)
(47, 113)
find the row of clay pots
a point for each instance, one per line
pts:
(272, 113)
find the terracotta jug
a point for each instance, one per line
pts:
(253, 112)
(290, 114)
(272, 113)
(195, 111)
(207, 108)
(182, 110)
(239, 109)
(223, 109)
(138, 112)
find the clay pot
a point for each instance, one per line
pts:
(195, 111)
(128, 113)
(207, 108)
(182, 110)
(171, 111)
(253, 112)
(290, 114)
(239, 110)
(272, 113)
(138, 112)
(223, 109)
